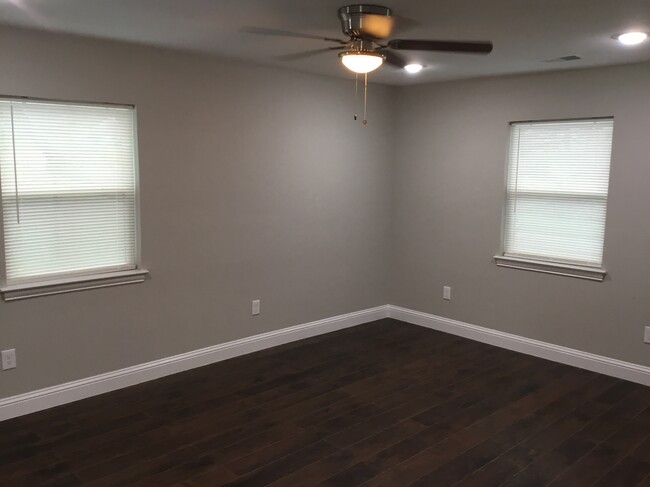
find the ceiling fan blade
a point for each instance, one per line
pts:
(393, 59)
(445, 46)
(284, 33)
(404, 24)
(378, 26)
(305, 54)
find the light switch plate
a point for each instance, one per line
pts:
(446, 293)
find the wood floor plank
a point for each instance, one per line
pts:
(385, 403)
(505, 467)
(597, 463)
(355, 475)
(260, 458)
(629, 471)
(548, 453)
(381, 440)
(285, 465)
(493, 473)
(645, 482)
(318, 471)
(451, 439)
(498, 424)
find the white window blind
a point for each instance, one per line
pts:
(68, 175)
(557, 187)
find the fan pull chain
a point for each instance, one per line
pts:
(356, 93)
(365, 99)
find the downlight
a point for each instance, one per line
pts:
(413, 68)
(632, 38)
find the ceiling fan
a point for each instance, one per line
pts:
(368, 47)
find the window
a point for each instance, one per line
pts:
(69, 197)
(556, 197)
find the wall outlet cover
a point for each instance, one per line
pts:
(9, 359)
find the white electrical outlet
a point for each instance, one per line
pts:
(646, 335)
(446, 293)
(9, 359)
(255, 310)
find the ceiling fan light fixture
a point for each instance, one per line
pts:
(632, 38)
(361, 62)
(413, 68)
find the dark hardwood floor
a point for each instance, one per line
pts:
(383, 404)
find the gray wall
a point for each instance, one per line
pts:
(255, 184)
(449, 191)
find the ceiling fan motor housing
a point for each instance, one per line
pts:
(366, 21)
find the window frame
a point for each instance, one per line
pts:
(547, 265)
(47, 285)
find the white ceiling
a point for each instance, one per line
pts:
(524, 32)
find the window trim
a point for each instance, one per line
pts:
(91, 279)
(72, 284)
(558, 268)
(548, 267)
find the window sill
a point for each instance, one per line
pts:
(72, 284)
(568, 270)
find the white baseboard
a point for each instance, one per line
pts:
(80, 389)
(584, 360)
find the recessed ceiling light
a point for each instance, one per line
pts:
(632, 38)
(413, 68)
